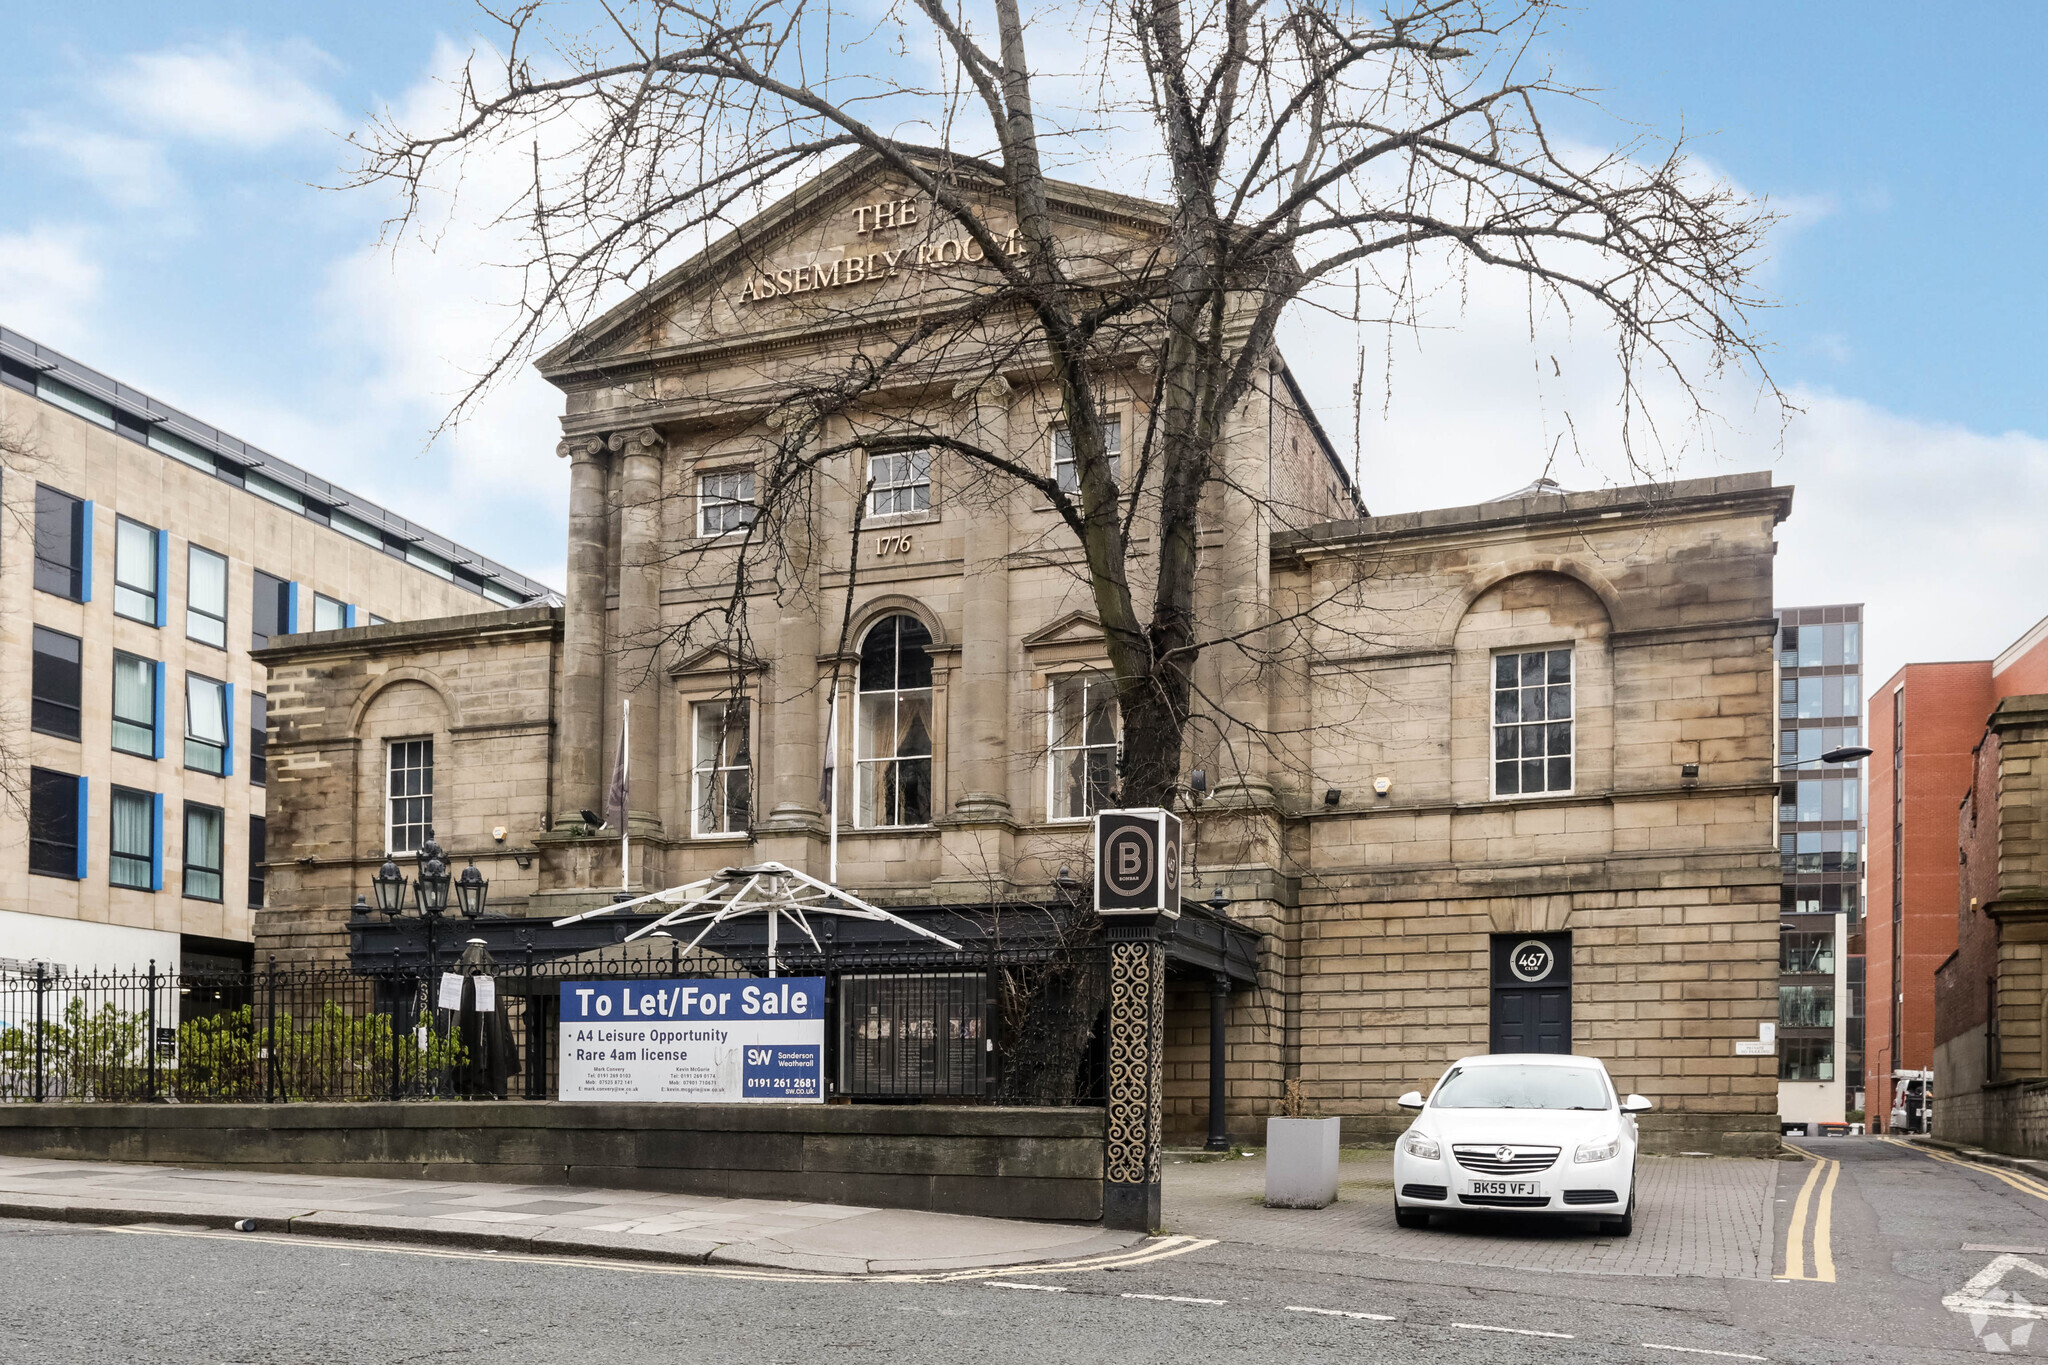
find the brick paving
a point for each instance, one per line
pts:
(1695, 1216)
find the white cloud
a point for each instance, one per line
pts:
(130, 171)
(230, 94)
(49, 283)
(1934, 526)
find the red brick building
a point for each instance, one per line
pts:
(1926, 721)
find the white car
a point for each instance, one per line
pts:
(1520, 1132)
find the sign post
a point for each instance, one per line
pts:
(1137, 894)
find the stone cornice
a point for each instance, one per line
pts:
(406, 636)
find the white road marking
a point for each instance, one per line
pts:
(1514, 1331)
(1984, 1297)
(1340, 1313)
(1700, 1351)
(1170, 1298)
(1044, 1288)
(2013, 1251)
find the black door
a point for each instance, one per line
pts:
(1532, 993)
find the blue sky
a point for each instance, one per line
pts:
(161, 218)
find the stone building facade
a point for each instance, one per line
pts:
(1497, 775)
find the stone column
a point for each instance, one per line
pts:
(1219, 1053)
(1244, 586)
(795, 822)
(579, 741)
(983, 743)
(639, 652)
(1137, 1078)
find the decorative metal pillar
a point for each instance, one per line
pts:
(1219, 1093)
(1137, 1085)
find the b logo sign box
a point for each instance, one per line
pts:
(703, 1042)
(1137, 863)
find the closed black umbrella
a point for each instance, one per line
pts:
(489, 1054)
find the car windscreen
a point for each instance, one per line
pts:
(1521, 1087)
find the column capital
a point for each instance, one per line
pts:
(580, 447)
(987, 388)
(638, 441)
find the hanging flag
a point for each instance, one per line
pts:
(829, 779)
(615, 794)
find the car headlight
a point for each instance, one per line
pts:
(1600, 1149)
(1421, 1148)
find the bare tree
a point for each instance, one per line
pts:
(1296, 150)
(20, 457)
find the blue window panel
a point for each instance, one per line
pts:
(227, 753)
(162, 684)
(85, 595)
(84, 783)
(291, 609)
(348, 616)
(156, 839)
(163, 607)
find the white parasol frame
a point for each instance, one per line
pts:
(779, 892)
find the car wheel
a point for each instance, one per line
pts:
(1410, 1218)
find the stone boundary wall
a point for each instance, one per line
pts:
(1009, 1163)
(2005, 1116)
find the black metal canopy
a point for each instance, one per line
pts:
(1200, 941)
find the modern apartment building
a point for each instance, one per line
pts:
(1926, 723)
(143, 554)
(1820, 843)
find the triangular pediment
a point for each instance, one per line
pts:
(1075, 628)
(714, 659)
(854, 245)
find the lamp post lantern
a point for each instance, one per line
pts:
(432, 887)
(471, 889)
(389, 888)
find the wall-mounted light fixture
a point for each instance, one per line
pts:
(1332, 797)
(1689, 771)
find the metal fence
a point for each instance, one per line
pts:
(897, 1030)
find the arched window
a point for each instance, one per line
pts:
(893, 727)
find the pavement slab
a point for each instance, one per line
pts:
(779, 1234)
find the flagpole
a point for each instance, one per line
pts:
(832, 766)
(626, 797)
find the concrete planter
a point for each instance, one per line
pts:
(1301, 1163)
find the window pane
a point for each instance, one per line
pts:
(410, 805)
(135, 705)
(135, 583)
(60, 543)
(202, 852)
(134, 839)
(259, 738)
(328, 614)
(206, 597)
(258, 851)
(52, 823)
(54, 684)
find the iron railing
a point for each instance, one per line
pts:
(899, 1028)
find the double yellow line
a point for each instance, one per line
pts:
(1826, 1170)
(2025, 1184)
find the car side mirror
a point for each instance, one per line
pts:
(1636, 1104)
(1411, 1100)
